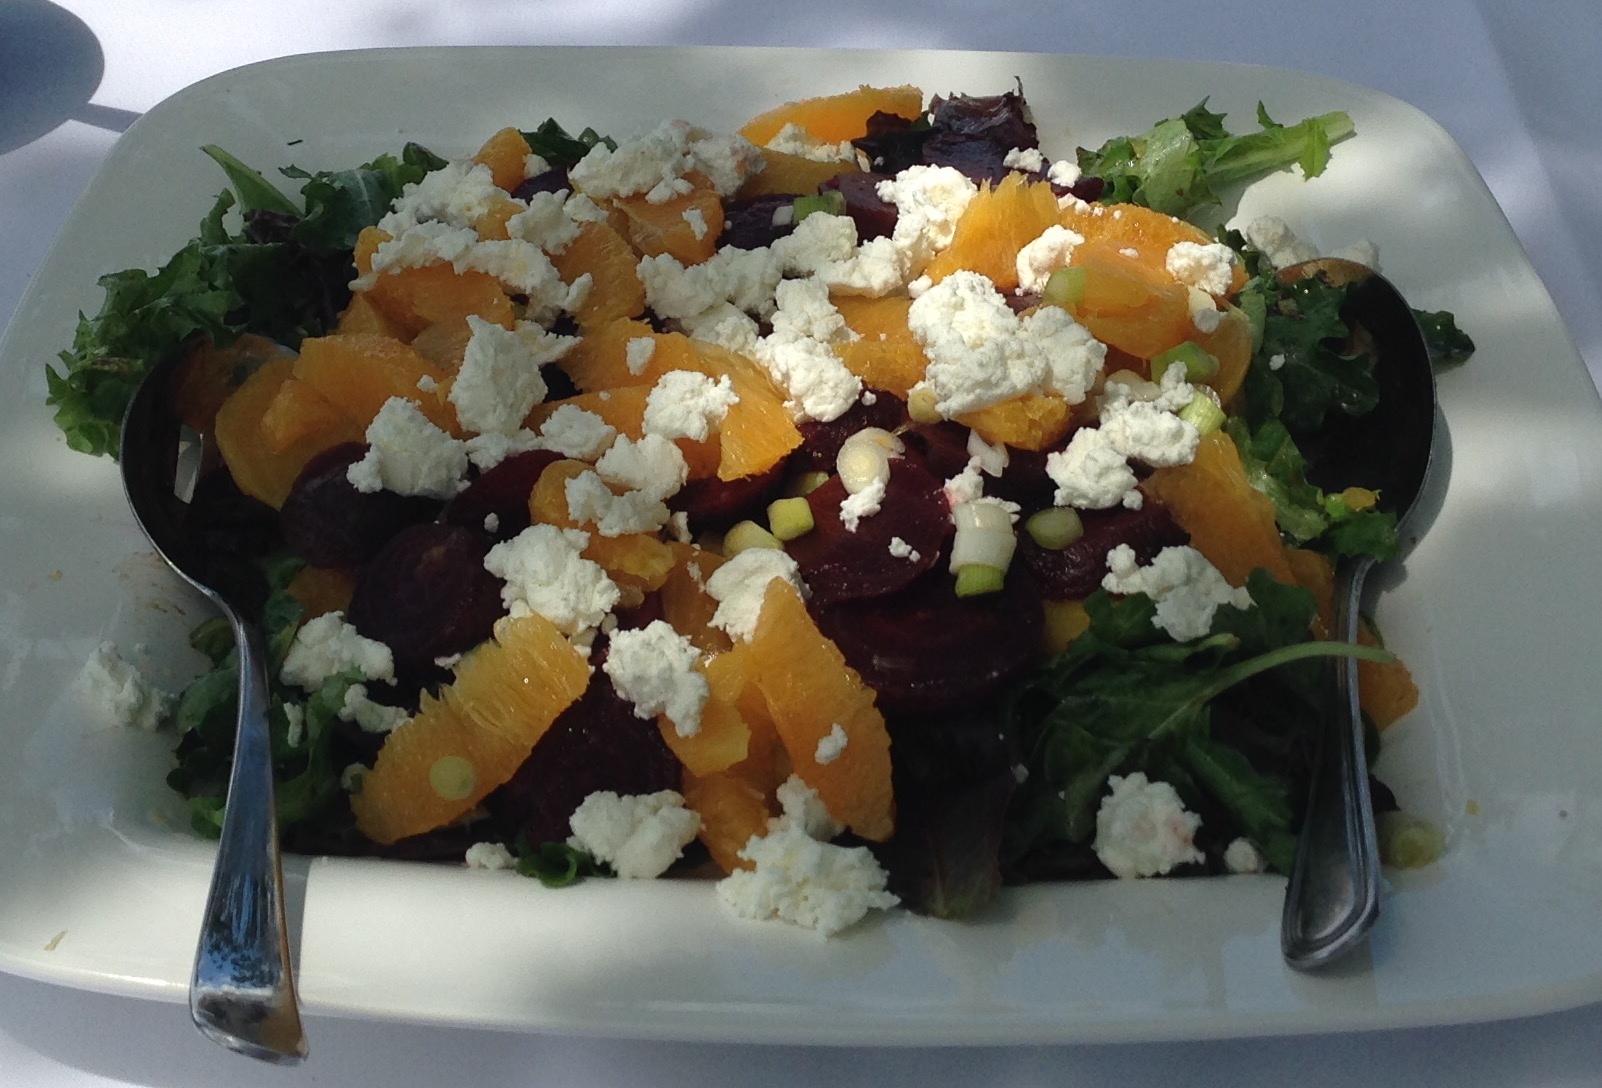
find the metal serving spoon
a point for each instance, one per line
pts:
(242, 992)
(1333, 896)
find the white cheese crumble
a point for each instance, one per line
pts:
(1274, 239)
(862, 504)
(653, 667)
(740, 584)
(112, 681)
(653, 465)
(1143, 829)
(577, 433)
(1242, 856)
(326, 645)
(489, 855)
(1030, 159)
(902, 550)
(792, 139)
(687, 404)
(637, 354)
(638, 835)
(545, 573)
(656, 164)
(801, 807)
(981, 353)
(831, 744)
(1038, 259)
(408, 454)
(1187, 589)
(929, 200)
(499, 380)
(1209, 267)
(458, 194)
(816, 885)
(369, 716)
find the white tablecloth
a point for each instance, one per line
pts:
(1516, 85)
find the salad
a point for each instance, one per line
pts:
(863, 507)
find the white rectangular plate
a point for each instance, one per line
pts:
(101, 885)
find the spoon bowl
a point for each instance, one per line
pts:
(242, 991)
(1333, 897)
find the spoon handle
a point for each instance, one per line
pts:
(242, 994)
(1333, 896)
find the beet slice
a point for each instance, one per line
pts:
(821, 442)
(713, 505)
(943, 447)
(502, 491)
(328, 523)
(925, 650)
(1075, 572)
(874, 216)
(748, 223)
(595, 744)
(426, 595)
(838, 564)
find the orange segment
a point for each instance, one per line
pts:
(321, 590)
(1231, 345)
(299, 412)
(261, 471)
(998, 222)
(723, 739)
(809, 690)
(783, 173)
(209, 375)
(1129, 302)
(505, 696)
(1129, 226)
(504, 153)
(835, 117)
(686, 227)
(886, 356)
(414, 298)
(686, 605)
(361, 316)
(622, 407)
(606, 257)
(1229, 521)
(358, 373)
(1033, 421)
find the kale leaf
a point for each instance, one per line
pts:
(1449, 345)
(551, 142)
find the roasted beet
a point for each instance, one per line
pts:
(821, 442)
(713, 505)
(596, 744)
(427, 596)
(943, 448)
(996, 119)
(840, 564)
(925, 650)
(503, 492)
(328, 523)
(1076, 571)
(749, 224)
(874, 216)
(553, 180)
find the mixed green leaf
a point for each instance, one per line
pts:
(282, 272)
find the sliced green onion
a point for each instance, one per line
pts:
(1407, 842)
(745, 535)
(1064, 287)
(864, 458)
(1203, 414)
(984, 536)
(976, 579)
(453, 777)
(790, 518)
(1055, 528)
(922, 405)
(832, 202)
(1200, 364)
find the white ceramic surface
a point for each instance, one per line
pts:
(101, 887)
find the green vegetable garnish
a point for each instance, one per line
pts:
(1179, 165)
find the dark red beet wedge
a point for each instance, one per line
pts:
(713, 505)
(1075, 572)
(502, 491)
(924, 650)
(328, 523)
(596, 744)
(839, 564)
(427, 595)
